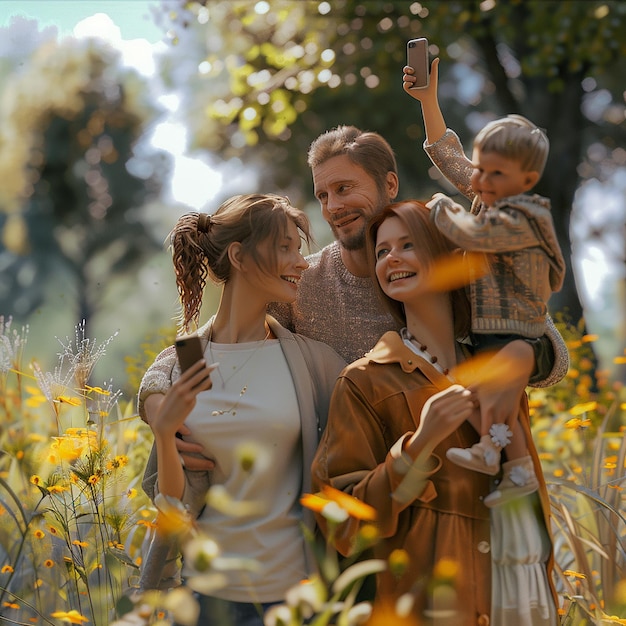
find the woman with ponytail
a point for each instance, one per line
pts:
(258, 385)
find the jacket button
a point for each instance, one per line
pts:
(483, 620)
(410, 362)
(484, 547)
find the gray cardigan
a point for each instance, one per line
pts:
(314, 369)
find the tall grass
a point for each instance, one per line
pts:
(73, 518)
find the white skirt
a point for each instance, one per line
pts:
(520, 548)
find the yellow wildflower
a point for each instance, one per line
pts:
(399, 561)
(570, 572)
(39, 534)
(68, 400)
(82, 544)
(575, 423)
(119, 461)
(6, 569)
(35, 480)
(98, 390)
(57, 488)
(131, 493)
(10, 605)
(584, 407)
(589, 338)
(146, 523)
(446, 569)
(48, 563)
(93, 479)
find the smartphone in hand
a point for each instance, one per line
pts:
(417, 58)
(188, 350)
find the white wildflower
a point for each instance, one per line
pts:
(11, 344)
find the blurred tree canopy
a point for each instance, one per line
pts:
(72, 181)
(260, 80)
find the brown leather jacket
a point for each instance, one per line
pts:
(432, 515)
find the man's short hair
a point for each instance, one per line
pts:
(366, 149)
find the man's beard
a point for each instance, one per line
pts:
(356, 241)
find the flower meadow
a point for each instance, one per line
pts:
(74, 521)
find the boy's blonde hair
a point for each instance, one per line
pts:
(516, 138)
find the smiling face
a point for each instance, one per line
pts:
(348, 197)
(495, 177)
(399, 269)
(283, 264)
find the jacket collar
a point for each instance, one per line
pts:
(391, 349)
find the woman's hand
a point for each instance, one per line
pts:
(168, 417)
(441, 415)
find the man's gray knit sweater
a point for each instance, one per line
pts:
(336, 307)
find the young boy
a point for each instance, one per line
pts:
(516, 233)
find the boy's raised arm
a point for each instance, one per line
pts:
(434, 122)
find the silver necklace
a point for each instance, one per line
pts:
(231, 410)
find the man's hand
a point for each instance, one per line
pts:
(191, 453)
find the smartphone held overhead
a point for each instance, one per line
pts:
(417, 58)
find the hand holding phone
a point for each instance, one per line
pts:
(417, 58)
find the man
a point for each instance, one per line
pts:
(354, 177)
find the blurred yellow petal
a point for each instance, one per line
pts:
(482, 369)
(68, 400)
(98, 390)
(589, 338)
(73, 617)
(455, 271)
(313, 502)
(354, 506)
(584, 407)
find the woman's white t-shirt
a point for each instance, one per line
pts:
(253, 400)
